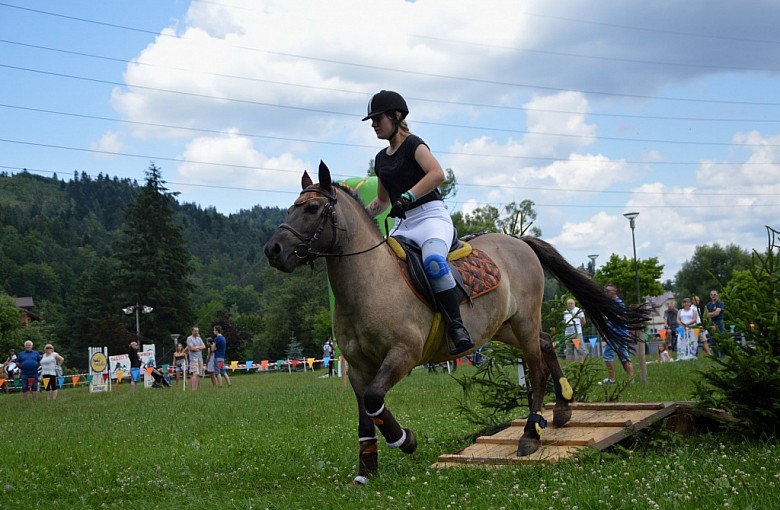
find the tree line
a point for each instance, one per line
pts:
(88, 247)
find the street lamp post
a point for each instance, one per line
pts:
(593, 258)
(640, 337)
(138, 310)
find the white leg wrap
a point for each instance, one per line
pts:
(376, 413)
(360, 480)
(363, 439)
(398, 443)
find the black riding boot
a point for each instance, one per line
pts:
(449, 305)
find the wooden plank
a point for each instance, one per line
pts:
(597, 406)
(567, 436)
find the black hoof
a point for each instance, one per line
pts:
(561, 415)
(410, 445)
(527, 446)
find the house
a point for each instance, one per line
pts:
(657, 309)
(25, 305)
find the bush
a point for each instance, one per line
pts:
(745, 381)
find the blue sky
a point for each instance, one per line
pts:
(589, 109)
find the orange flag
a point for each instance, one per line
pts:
(264, 364)
(149, 370)
(75, 380)
(696, 332)
(2, 382)
(662, 332)
(576, 342)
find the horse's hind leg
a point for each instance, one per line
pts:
(563, 392)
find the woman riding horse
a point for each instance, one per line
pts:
(409, 176)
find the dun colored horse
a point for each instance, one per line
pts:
(382, 326)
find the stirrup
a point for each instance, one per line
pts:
(461, 347)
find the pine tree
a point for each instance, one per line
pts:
(154, 264)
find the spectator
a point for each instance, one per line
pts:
(180, 361)
(622, 351)
(135, 363)
(195, 347)
(29, 360)
(220, 348)
(687, 318)
(327, 354)
(663, 353)
(670, 325)
(10, 370)
(49, 363)
(574, 318)
(210, 360)
(715, 311)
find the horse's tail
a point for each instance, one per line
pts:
(612, 320)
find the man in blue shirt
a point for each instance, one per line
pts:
(29, 360)
(622, 350)
(715, 309)
(219, 357)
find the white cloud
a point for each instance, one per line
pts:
(110, 142)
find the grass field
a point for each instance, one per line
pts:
(290, 441)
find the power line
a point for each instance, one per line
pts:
(406, 71)
(363, 93)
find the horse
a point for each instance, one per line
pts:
(382, 326)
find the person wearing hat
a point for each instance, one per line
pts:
(408, 179)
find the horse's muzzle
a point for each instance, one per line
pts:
(278, 257)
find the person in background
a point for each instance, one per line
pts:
(10, 371)
(687, 318)
(715, 311)
(609, 349)
(49, 363)
(670, 325)
(180, 361)
(195, 348)
(220, 348)
(663, 353)
(574, 318)
(210, 348)
(135, 363)
(327, 353)
(29, 360)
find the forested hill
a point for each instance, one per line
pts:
(59, 237)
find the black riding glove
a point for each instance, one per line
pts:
(402, 205)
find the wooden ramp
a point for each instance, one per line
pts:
(594, 425)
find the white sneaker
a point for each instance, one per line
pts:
(607, 381)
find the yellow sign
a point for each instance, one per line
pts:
(98, 362)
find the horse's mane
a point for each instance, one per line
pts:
(356, 197)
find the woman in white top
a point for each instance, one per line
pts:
(687, 318)
(49, 363)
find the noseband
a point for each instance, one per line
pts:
(304, 250)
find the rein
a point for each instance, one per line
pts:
(304, 250)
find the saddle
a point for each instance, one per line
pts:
(474, 271)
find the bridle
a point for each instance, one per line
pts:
(304, 249)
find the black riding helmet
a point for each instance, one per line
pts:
(386, 101)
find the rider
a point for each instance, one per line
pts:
(409, 176)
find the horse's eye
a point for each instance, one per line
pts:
(311, 208)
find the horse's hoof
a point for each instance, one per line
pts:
(410, 445)
(561, 415)
(527, 446)
(360, 480)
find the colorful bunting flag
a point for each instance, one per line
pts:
(119, 375)
(61, 381)
(76, 380)
(310, 362)
(233, 365)
(264, 365)
(248, 365)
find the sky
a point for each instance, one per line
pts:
(590, 109)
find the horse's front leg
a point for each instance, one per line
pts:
(375, 414)
(563, 391)
(368, 456)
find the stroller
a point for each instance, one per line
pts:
(160, 380)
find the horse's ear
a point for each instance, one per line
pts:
(306, 180)
(324, 176)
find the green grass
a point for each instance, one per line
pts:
(290, 441)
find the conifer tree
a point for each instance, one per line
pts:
(154, 263)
